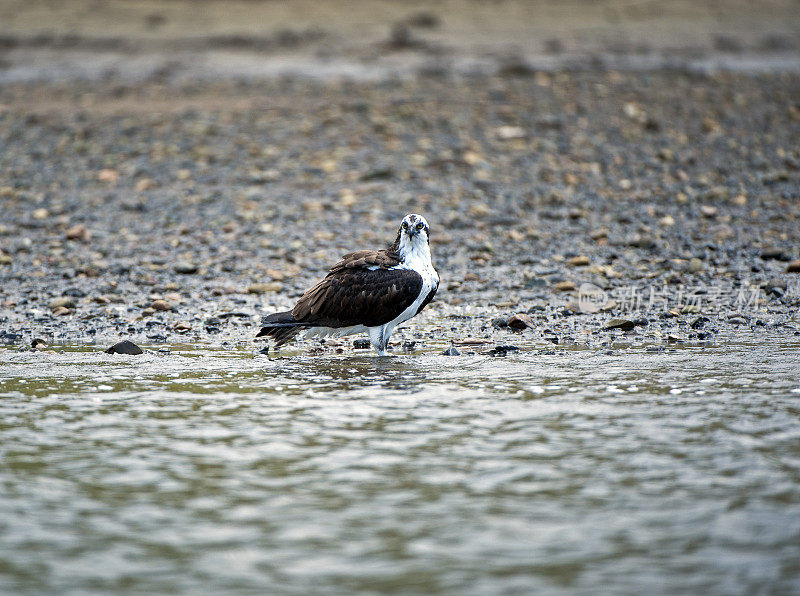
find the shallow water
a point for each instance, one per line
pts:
(211, 470)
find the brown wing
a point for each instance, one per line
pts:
(357, 296)
(363, 259)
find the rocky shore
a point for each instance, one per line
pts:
(561, 203)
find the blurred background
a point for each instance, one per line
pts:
(92, 39)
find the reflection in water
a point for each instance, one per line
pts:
(208, 471)
(356, 372)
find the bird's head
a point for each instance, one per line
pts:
(413, 234)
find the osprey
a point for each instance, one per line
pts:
(370, 291)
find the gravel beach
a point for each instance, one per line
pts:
(172, 173)
(164, 212)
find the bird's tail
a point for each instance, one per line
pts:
(281, 327)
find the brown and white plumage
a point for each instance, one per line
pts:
(366, 291)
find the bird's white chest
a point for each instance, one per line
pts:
(419, 262)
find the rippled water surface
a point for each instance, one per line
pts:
(561, 472)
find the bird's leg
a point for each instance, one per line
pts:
(379, 340)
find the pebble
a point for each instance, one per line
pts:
(508, 133)
(579, 261)
(773, 253)
(667, 221)
(500, 322)
(160, 305)
(519, 322)
(623, 324)
(263, 288)
(77, 232)
(451, 351)
(63, 302)
(793, 267)
(564, 286)
(699, 322)
(125, 347)
(361, 344)
(708, 211)
(501, 350)
(185, 268)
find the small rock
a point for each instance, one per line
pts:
(182, 327)
(60, 311)
(708, 211)
(185, 268)
(110, 176)
(264, 350)
(361, 344)
(451, 351)
(773, 253)
(793, 267)
(695, 265)
(564, 286)
(125, 347)
(263, 288)
(667, 221)
(145, 184)
(507, 133)
(41, 213)
(77, 232)
(699, 322)
(38, 343)
(674, 339)
(500, 322)
(377, 174)
(63, 302)
(160, 305)
(409, 346)
(623, 324)
(737, 320)
(579, 261)
(520, 322)
(502, 350)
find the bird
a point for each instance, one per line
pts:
(370, 291)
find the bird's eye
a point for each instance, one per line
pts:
(420, 225)
(405, 226)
